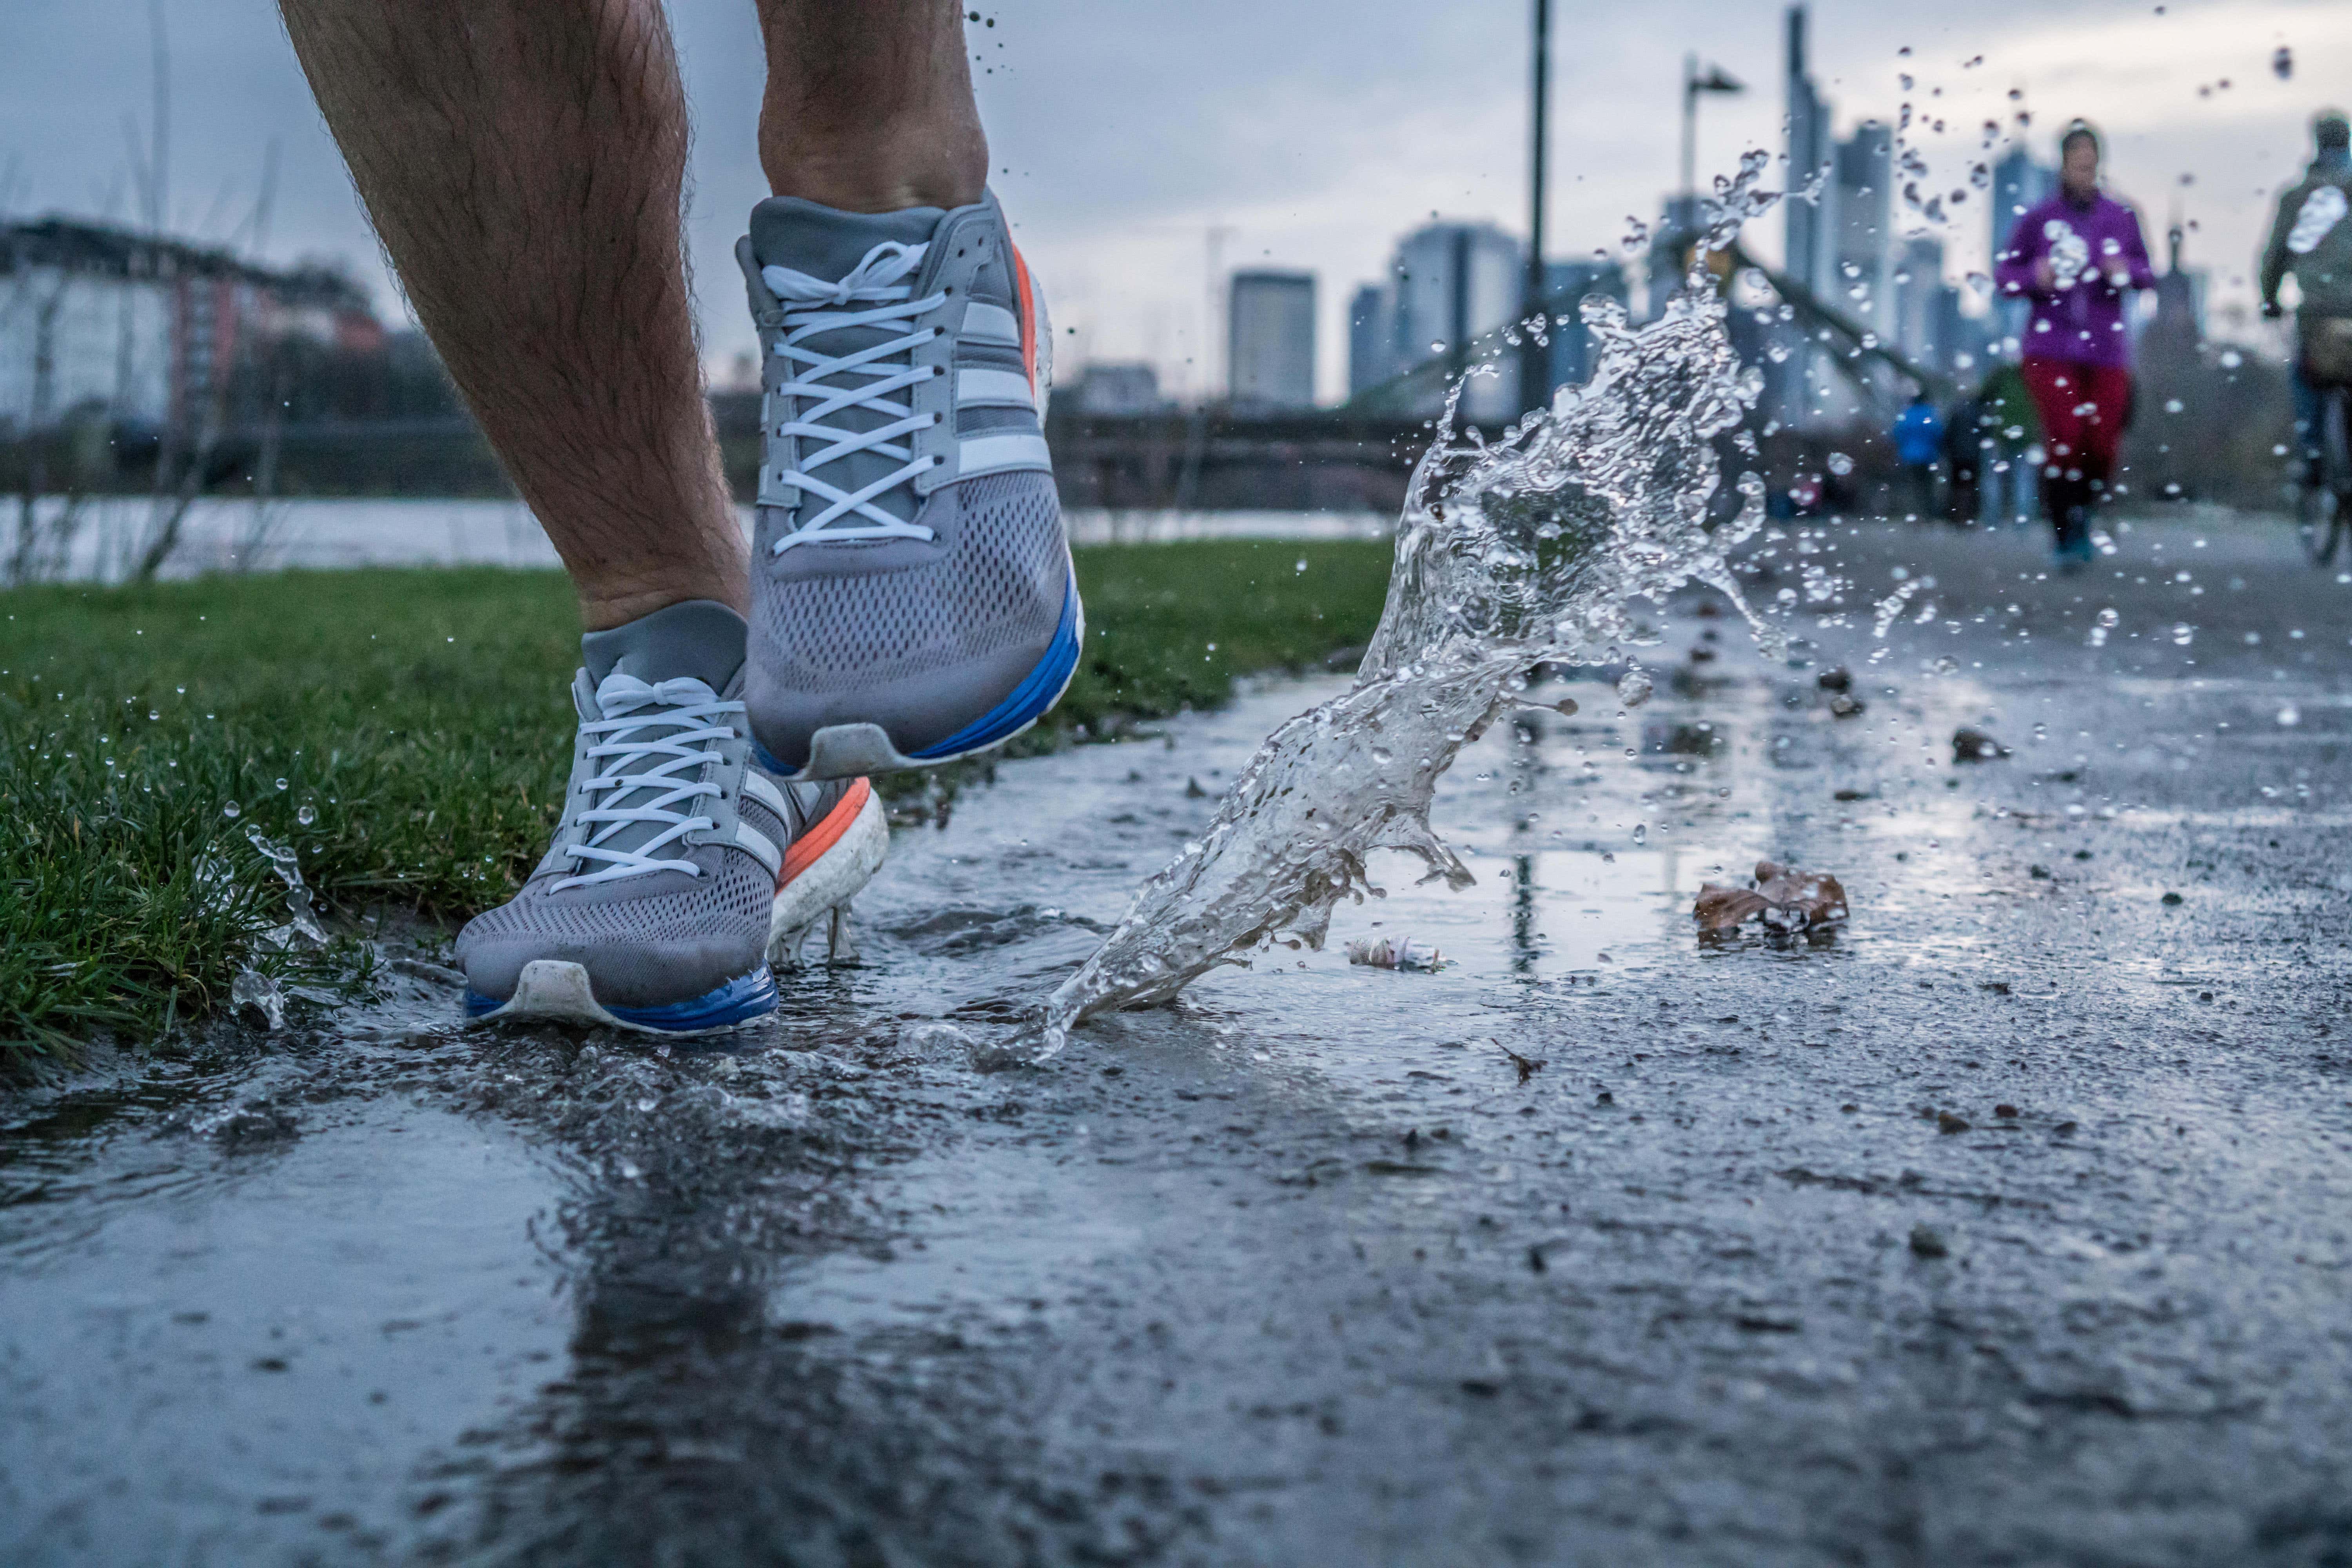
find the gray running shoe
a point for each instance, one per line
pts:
(912, 599)
(681, 870)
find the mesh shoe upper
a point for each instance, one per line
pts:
(662, 875)
(924, 627)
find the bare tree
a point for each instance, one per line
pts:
(45, 525)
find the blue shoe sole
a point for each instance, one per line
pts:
(868, 749)
(742, 998)
(1030, 701)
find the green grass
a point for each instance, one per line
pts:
(423, 718)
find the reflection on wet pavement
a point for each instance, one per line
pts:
(2008, 1224)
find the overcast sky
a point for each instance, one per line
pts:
(1314, 133)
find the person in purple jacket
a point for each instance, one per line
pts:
(2077, 256)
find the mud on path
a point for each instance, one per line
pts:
(2015, 1225)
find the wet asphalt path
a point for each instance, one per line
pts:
(2012, 1225)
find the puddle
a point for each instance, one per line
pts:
(205, 1347)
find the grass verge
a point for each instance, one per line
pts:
(406, 732)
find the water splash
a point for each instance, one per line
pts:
(256, 992)
(301, 919)
(1530, 550)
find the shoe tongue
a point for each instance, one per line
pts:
(698, 646)
(701, 637)
(826, 242)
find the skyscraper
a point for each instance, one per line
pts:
(1566, 284)
(1809, 256)
(2019, 182)
(1372, 338)
(1270, 344)
(1918, 289)
(1456, 282)
(1865, 167)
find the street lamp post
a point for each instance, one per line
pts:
(1716, 79)
(1535, 351)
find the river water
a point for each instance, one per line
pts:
(229, 535)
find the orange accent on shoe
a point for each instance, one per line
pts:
(1028, 319)
(810, 847)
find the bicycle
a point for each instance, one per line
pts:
(2323, 499)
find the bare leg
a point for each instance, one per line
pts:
(522, 163)
(869, 105)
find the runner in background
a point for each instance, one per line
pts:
(1918, 437)
(2077, 256)
(2311, 239)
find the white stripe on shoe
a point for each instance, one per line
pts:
(764, 848)
(993, 389)
(986, 323)
(757, 787)
(1000, 454)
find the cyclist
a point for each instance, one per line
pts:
(2077, 256)
(2312, 238)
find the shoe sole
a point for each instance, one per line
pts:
(851, 751)
(845, 850)
(555, 991)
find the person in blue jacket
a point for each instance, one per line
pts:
(1918, 446)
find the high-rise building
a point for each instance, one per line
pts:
(1567, 285)
(1810, 255)
(2019, 182)
(1270, 340)
(1456, 282)
(1865, 167)
(1918, 289)
(1372, 338)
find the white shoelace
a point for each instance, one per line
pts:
(652, 750)
(876, 283)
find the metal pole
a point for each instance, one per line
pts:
(1535, 358)
(1690, 131)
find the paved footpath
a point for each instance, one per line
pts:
(2013, 1225)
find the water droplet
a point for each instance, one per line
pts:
(1840, 464)
(2183, 634)
(2290, 716)
(1633, 688)
(2108, 618)
(306, 815)
(281, 784)
(152, 715)
(1641, 834)
(232, 811)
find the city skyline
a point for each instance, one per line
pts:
(1314, 158)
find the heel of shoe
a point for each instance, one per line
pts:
(823, 894)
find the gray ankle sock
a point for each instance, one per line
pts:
(825, 242)
(701, 637)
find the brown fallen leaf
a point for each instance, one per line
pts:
(1789, 901)
(1528, 1066)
